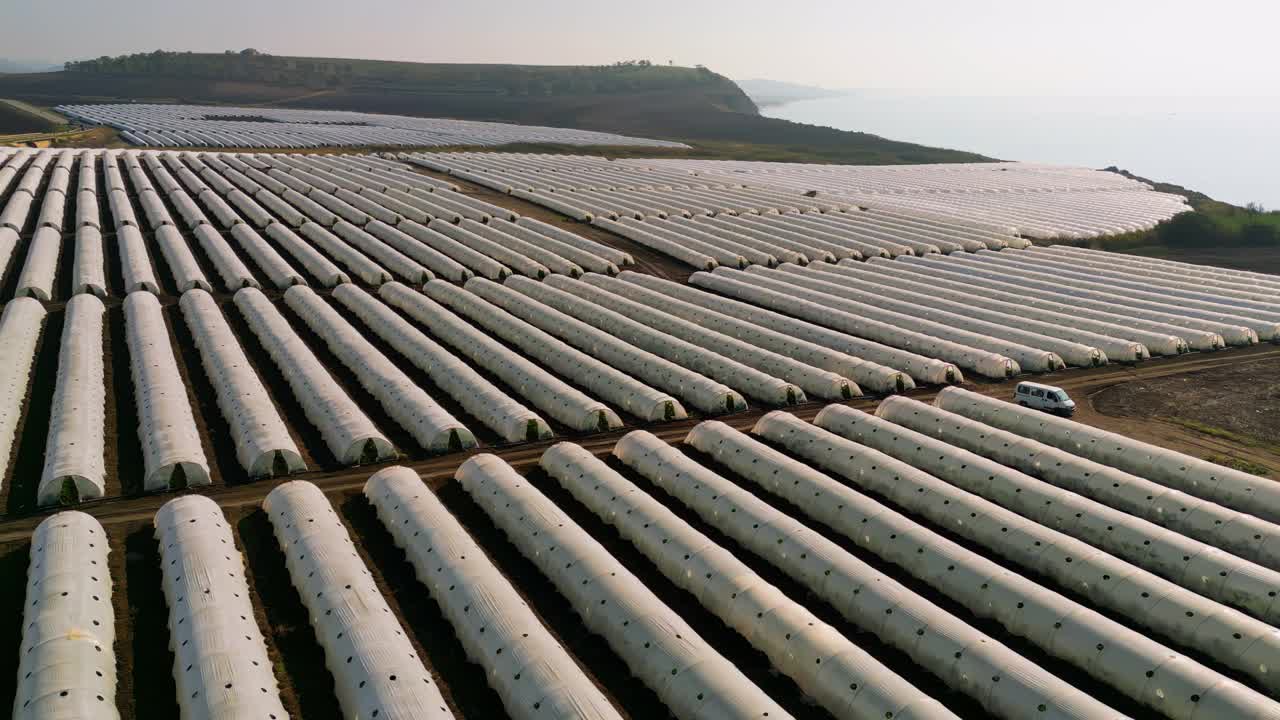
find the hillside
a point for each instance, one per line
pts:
(1246, 237)
(694, 105)
(775, 92)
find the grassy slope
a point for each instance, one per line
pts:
(693, 105)
(1220, 233)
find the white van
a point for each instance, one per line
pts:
(1044, 397)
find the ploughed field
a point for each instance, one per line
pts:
(229, 323)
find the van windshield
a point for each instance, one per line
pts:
(1056, 395)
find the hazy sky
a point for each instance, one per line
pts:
(1088, 47)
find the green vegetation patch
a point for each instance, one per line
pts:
(1240, 464)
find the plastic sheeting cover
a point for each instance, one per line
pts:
(220, 665)
(376, 671)
(658, 646)
(532, 673)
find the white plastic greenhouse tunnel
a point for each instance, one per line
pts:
(376, 671)
(523, 662)
(660, 648)
(220, 666)
(67, 666)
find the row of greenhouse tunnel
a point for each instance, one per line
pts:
(873, 518)
(642, 378)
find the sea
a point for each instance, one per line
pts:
(1227, 147)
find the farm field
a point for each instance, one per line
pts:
(214, 126)
(270, 332)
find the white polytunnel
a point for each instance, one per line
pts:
(1006, 684)
(471, 259)
(660, 648)
(1116, 347)
(288, 181)
(88, 265)
(613, 255)
(369, 207)
(1159, 338)
(1091, 293)
(313, 210)
(839, 675)
(822, 312)
(41, 266)
(420, 199)
(271, 201)
(226, 216)
(420, 252)
(563, 203)
(820, 371)
(1241, 534)
(432, 426)
(21, 324)
(8, 245)
(67, 662)
(311, 260)
(234, 273)
(191, 213)
(495, 212)
(509, 257)
(813, 250)
(1179, 687)
(376, 671)
(400, 209)
(180, 260)
(264, 447)
(837, 247)
(171, 451)
(221, 669)
(452, 201)
(157, 215)
(1154, 277)
(1192, 565)
(1235, 489)
(584, 370)
(382, 253)
(267, 258)
(696, 255)
(342, 210)
(768, 328)
(121, 209)
(550, 260)
(359, 264)
(530, 670)
(1031, 358)
(697, 390)
(781, 250)
(14, 214)
(1160, 267)
(74, 457)
(544, 390)
(1248, 301)
(479, 397)
(696, 358)
(583, 259)
(596, 289)
(659, 293)
(708, 244)
(348, 433)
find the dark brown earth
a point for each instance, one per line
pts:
(1238, 405)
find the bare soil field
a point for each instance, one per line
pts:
(1232, 411)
